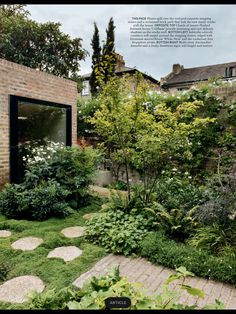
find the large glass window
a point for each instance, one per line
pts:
(35, 123)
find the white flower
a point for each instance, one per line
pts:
(189, 177)
(174, 169)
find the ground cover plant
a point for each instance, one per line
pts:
(167, 252)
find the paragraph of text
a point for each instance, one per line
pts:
(173, 32)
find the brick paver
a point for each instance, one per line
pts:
(153, 276)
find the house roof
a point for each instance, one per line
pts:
(123, 70)
(198, 73)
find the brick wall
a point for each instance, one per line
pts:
(228, 93)
(22, 81)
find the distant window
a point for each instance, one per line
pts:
(85, 90)
(230, 71)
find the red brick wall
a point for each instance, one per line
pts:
(22, 81)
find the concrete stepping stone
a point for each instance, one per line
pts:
(73, 232)
(89, 216)
(17, 290)
(67, 253)
(5, 233)
(27, 243)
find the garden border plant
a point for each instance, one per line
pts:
(163, 251)
(97, 289)
(54, 183)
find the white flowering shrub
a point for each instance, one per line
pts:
(42, 153)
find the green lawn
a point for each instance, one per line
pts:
(55, 273)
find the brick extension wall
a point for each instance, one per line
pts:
(23, 81)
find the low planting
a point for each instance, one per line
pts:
(53, 184)
(97, 289)
(117, 231)
(4, 269)
(174, 237)
(161, 250)
(42, 202)
(218, 239)
(71, 167)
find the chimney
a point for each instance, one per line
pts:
(177, 68)
(119, 61)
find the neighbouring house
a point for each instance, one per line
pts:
(181, 78)
(35, 108)
(121, 69)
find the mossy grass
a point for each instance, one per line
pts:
(55, 273)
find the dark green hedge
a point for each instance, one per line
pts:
(169, 253)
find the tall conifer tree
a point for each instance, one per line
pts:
(94, 84)
(108, 55)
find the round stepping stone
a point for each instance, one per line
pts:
(67, 253)
(17, 289)
(73, 232)
(89, 216)
(5, 233)
(27, 244)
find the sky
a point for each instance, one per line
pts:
(77, 21)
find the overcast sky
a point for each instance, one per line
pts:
(77, 21)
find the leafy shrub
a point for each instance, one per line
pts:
(214, 210)
(118, 185)
(71, 167)
(120, 201)
(217, 209)
(215, 238)
(158, 249)
(10, 199)
(86, 110)
(175, 192)
(41, 202)
(232, 113)
(176, 223)
(117, 231)
(97, 289)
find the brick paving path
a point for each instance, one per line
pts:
(153, 276)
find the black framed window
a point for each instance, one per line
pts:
(35, 123)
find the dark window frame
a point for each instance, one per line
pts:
(14, 127)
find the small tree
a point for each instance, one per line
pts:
(119, 116)
(146, 139)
